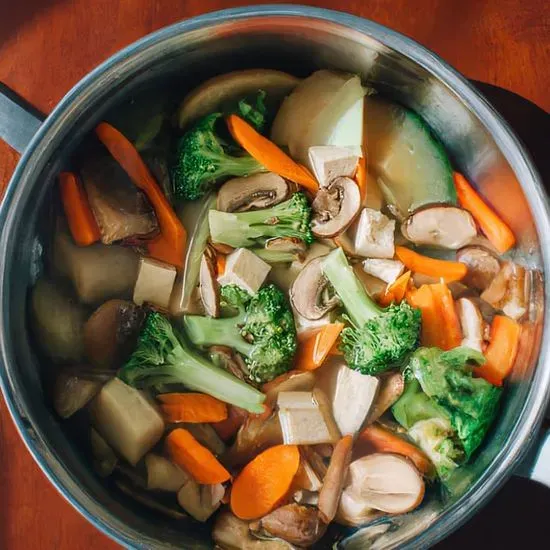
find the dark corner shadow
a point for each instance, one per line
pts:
(530, 123)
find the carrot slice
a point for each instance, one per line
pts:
(395, 292)
(268, 154)
(220, 264)
(423, 299)
(169, 246)
(314, 347)
(264, 481)
(185, 451)
(375, 439)
(451, 333)
(192, 407)
(494, 228)
(82, 223)
(440, 269)
(361, 177)
(502, 350)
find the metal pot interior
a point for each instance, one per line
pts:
(180, 58)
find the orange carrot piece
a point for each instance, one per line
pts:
(361, 177)
(192, 408)
(185, 451)
(494, 228)
(501, 351)
(451, 330)
(315, 346)
(395, 292)
(82, 223)
(423, 299)
(264, 481)
(440, 269)
(268, 386)
(220, 264)
(227, 428)
(375, 439)
(268, 154)
(169, 246)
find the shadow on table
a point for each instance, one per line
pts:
(530, 123)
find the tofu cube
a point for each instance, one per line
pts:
(387, 270)
(302, 422)
(154, 283)
(126, 419)
(243, 268)
(350, 393)
(374, 235)
(330, 162)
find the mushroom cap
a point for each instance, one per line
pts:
(294, 523)
(335, 208)
(442, 226)
(483, 266)
(308, 293)
(208, 286)
(386, 482)
(256, 191)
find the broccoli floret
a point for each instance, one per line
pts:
(262, 331)
(202, 160)
(291, 218)
(445, 410)
(379, 339)
(162, 358)
(253, 110)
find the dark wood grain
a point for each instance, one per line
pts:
(46, 47)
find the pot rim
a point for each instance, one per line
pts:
(527, 422)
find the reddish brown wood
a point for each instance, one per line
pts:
(46, 47)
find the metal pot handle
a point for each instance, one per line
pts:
(19, 121)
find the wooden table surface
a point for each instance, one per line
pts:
(47, 46)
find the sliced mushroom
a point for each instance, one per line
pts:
(390, 390)
(509, 290)
(471, 322)
(208, 286)
(483, 266)
(306, 479)
(111, 332)
(335, 208)
(300, 525)
(386, 482)
(257, 191)
(353, 510)
(310, 292)
(441, 226)
(72, 393)
(232, 533)
(333, 484)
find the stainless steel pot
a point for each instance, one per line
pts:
(298, 39)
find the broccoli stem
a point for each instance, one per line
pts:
(359, 306)
(197, 374)
(206, 331)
